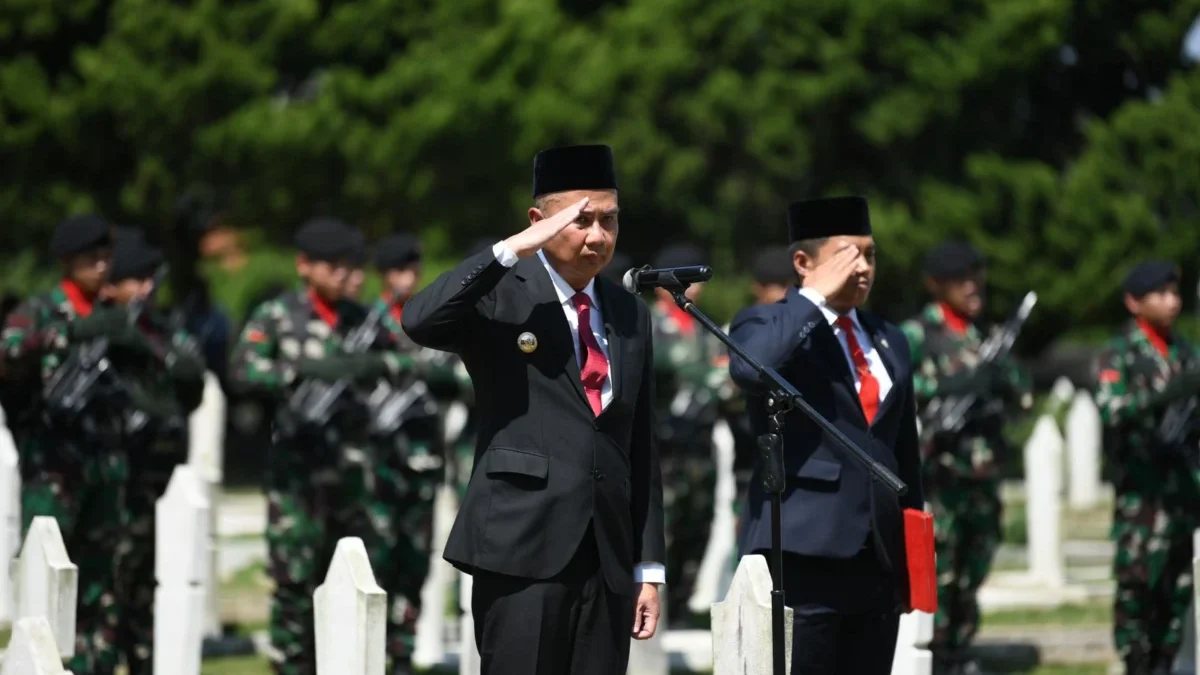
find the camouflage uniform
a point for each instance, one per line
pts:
(691, 382)
(960, 472)
(408, 467)
(79, 480)
(1157, 499)
(318, 486)
(165, 398)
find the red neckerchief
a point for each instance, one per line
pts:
(1159, 338)
(397, 309)
(323, 308)
(685, 321)
(957, 323)
(79, 301)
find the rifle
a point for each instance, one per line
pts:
(76, 385)
(952, 414)
(314, 402)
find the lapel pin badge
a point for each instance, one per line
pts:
(884, 343)
(527, 342)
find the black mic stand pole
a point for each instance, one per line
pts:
(782, 398)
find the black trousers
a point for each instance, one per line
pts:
(845, 616)
(571, 624)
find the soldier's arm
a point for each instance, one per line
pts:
(1119, 402)
(185, 366)
(29, 333)
(254, 364)
(925, 374)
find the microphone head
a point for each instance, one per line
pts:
(628, 281)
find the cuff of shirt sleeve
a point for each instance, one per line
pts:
(815, 297)
(650, 573)
(504, 254)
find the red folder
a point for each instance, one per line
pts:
(922, 567)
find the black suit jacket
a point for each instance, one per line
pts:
(830, 504)
(545, 466)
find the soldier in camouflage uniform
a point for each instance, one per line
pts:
(690, 381)
(317, 479)
(1142, 373)
(155, 437)
(961, 472)
(73, 467)
(409, 465)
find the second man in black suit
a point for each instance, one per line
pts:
(844, 569)
(562, 523)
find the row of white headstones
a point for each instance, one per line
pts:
(350, 616)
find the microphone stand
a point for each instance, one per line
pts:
(782, 398)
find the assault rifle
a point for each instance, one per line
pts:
(87, 376)
(315, 403)
(953, 413)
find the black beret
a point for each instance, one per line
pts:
(774, 266)
(134, 258)
(78, 234)
(617, 267)
(1150, 276)
(575, 167)
(821, 218)
(358, 248)
(953, 259)
(397, 251)
(681, 255)
(326, 239)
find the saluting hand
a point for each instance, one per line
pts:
(530, 240)
(831, 276)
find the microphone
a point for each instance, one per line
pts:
(641, 279)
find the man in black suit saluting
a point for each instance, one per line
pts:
(562, 523)
(844, 568)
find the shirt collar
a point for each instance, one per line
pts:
(562, 288)
(832, 316)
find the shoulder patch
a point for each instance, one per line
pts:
(1109, 375)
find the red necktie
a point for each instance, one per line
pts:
(595, 366)
(868, 392)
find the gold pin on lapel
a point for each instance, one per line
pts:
(527, 342)
(883, 342)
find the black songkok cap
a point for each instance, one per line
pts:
(1150, 276)
(821, 218)
(774, 266)
(617, 267)
(397, 251)
(79, 234)
(681, 255)
(326, 239)
(953, 259)
(134, 258)
(575, 167)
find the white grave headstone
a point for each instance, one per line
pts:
(1188, 661)
(716, 569)
(31, 649)
(206, 454)
(10, 515)
(431, 625)
(468, 652)
(1083, 451)
(1043, 505)
(181, 567)
(741, 624)
(912, 645)
(351, 615)
(47, 582)
(1062, 391)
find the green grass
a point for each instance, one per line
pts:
(247, 665)
(250, 579)
(1093, 613)
(1091, 669)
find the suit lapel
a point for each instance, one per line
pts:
(549, 312)
(610, 311)
(827, 353)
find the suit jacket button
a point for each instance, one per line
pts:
(597, 474)
(466, 281)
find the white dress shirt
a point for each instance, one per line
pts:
(874, 360)
(645, 572)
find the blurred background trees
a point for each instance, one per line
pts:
(1060, 136)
